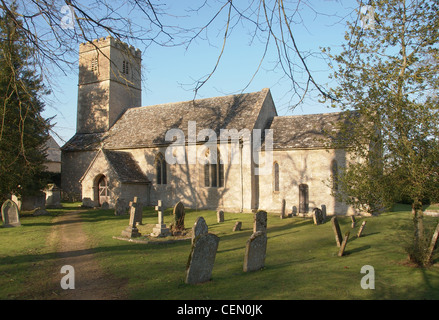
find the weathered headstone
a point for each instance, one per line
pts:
(10, 214)
(337, 231)
(179, 214)
(40, 212)
(237, 226)
(121, 207)
(160, 229)
(343, 245)
(200, 227)
(433, 242)
(201, 259)
(361, 229)
(317, 216)
(353, 222)
(53, 196)
(255, 252)
(131, 231)
(324, 212)
(260, 221)
(136, 208)
(220, 216)
(283, 208)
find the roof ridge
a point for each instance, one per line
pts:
(196, 100)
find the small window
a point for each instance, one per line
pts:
(160, 169)
(276, 177)
(334, 169)
(214, 174)
(125, 67)
(94, 64)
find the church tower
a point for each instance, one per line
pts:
(109, 83)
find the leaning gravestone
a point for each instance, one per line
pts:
(238, 226)
(361, 229)
(220, 216)
(337, 231)
(178, 214)
(317, 216)
(255, 251)
(200, 227)
(353, 222)
(201, 259)
(10, 214)
(260, 221)
(343, 244)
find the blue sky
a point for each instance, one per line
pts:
(169, 72)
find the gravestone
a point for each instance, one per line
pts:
(361, 229)
(10, 214)
(237, 226)
(220, 216)
(260, 221)
(433, 242)
(337, 231)
(353, 222)
(255, 251)
(131, 231)
(200, 227)
(137, 208)
(343, 245)
(178, 214)
(53, 196)
(324, 212)
(121, 207)
(160, 229)
(201, 259)
(317, 216)
(282, 211)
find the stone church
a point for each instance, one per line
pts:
(231, 152)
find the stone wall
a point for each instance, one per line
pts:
(296, 167)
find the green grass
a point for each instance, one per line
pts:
(301, 262)
(27, 254)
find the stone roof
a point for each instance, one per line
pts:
(125, 167)
(53, 150)
(306, 131)
(147, 126)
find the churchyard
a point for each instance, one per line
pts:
(304, 259)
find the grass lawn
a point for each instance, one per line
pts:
(301, 262)
(26, 256)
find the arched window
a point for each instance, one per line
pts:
(276, 177)
(160, 169)
(214, 173)
(334, 169)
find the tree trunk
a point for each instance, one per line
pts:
(418, 223)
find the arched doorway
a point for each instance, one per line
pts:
(303, 198)
(103, 194)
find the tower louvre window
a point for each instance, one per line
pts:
(125, 67)
(94, 64)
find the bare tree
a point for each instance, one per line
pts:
(53, 29)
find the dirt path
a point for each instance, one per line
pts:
(73, 249)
